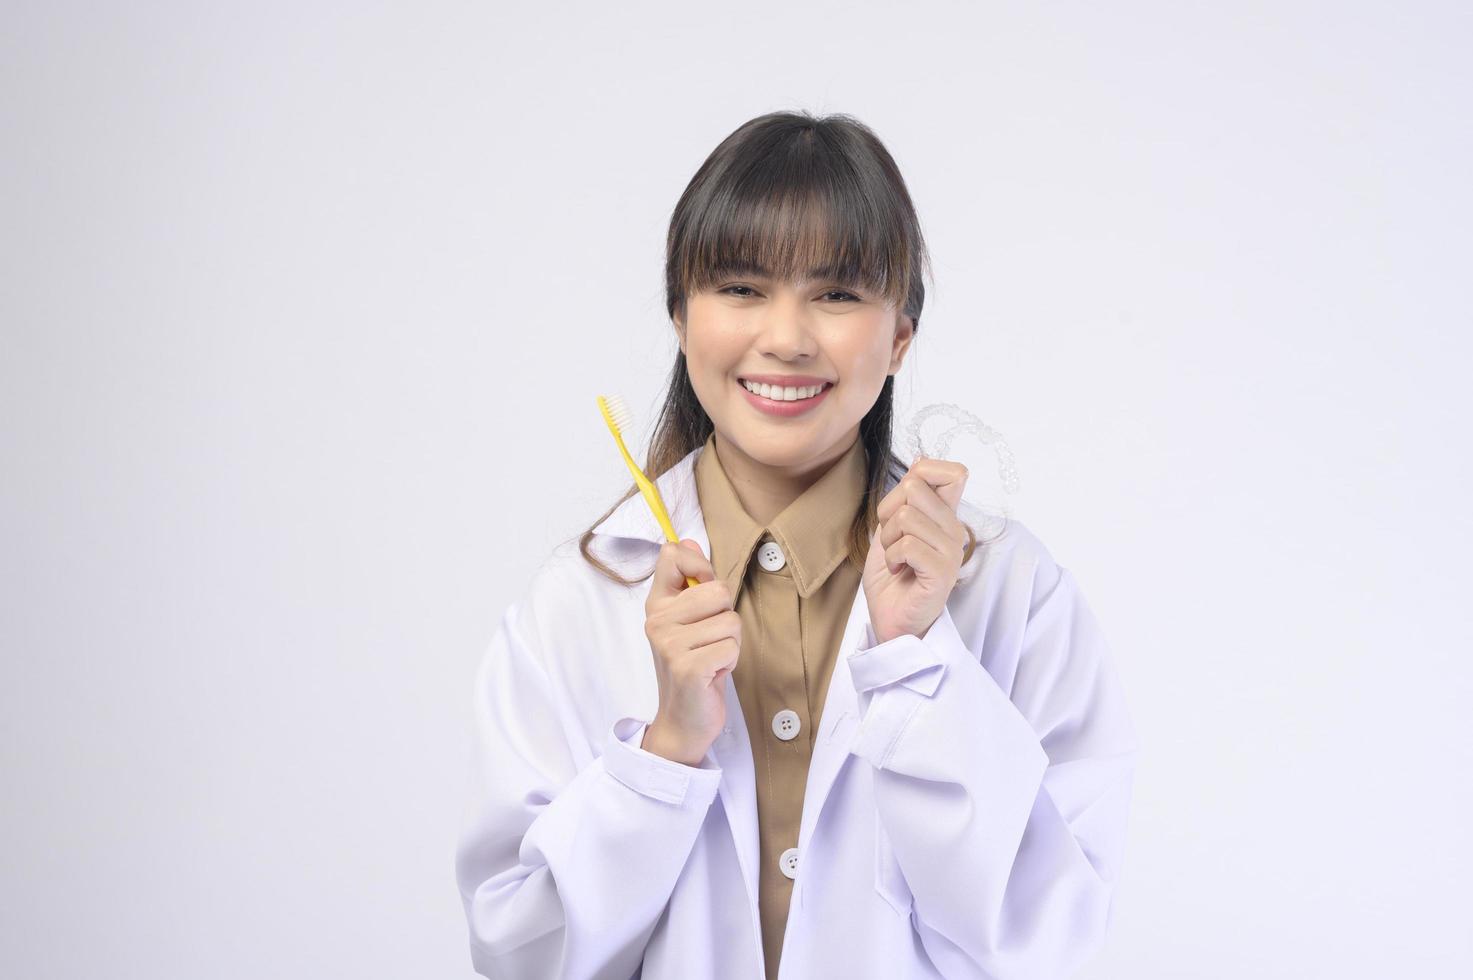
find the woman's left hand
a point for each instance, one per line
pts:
(916, 552)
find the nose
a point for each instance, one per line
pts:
(786, 331)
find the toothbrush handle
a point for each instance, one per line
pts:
(652, 497)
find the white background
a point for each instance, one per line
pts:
(305, 307)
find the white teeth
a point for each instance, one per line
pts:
(782, 394)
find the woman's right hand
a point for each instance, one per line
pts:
(695, 634)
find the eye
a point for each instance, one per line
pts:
(844, 296)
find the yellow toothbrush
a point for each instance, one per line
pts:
(618, 417)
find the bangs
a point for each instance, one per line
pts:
(821, 230)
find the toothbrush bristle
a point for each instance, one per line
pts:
(619, 412)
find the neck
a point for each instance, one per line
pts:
(765, 489)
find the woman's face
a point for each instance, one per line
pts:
(756, 326)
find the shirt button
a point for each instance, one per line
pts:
(770, 556)
(789, 862)
(786, 724)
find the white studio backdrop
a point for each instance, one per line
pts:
(305, 306)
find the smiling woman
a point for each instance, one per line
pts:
(794, 258)
(809, 743)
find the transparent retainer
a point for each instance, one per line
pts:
(994, 516)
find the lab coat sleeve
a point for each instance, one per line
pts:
(565, 873)
(1005, 815)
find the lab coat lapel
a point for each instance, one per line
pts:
(732, 750)
(837, 722)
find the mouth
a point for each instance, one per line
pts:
(781, 407)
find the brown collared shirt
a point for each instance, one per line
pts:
(793, 588)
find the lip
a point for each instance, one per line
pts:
(786, 409)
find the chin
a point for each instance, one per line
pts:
(779, 449)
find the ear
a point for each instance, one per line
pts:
(679, 331)
(905, 331)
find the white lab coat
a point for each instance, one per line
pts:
(965, 807)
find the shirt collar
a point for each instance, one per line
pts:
(631, 518)
(813, 530)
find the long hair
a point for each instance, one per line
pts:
(788, 193)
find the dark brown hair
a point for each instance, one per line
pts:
(791, 195)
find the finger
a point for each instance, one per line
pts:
(910, 519)
(700, 602)
(913, 552)
(675, 562)
(909, 484)
(893, 499)
(927, 500)
(667, 580)
(710, 629)
(947, 478)
(716, 657)
(691, 560)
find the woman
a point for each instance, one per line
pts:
(866, 744)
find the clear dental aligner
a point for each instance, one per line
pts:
(964, 421)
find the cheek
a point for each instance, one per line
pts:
(710, 359)
(715, 349)
(707, 357)
(872, 359)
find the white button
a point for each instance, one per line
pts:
(770, 556)
(786, 724)
(789, 862)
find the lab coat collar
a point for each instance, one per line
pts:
(633, 518)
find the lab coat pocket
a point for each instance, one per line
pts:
(889, 881)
